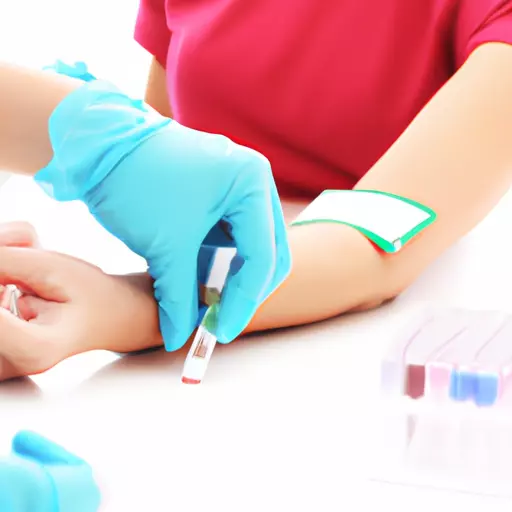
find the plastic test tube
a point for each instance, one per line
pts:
(393, 370)
(9, 299)
(457, 363)
(427, 342)
(204, 342)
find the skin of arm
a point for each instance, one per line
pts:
(27, 100)
(156, 90)
(455, 157)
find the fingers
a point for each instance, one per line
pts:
(39, 449)
(41, 272)
(18, 234)
(22, 485)
(71, 478)
(14, 332)
(176, 292)
(31, 307)
(283, 253)
(24, 344)
(254, 234)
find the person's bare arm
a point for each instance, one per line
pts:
(156, 89)
(27, 100)
(455, 157)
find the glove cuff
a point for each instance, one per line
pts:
(77, 70)
(91, 131)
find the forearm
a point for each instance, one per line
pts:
(27, 100)
(321, 285)
(455, 157)
(335, 269)
(140, 288)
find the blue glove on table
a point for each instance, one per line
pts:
(162, 188)
(40, 476)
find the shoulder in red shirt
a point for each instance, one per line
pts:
(321, 88)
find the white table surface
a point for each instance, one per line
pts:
(280, 421)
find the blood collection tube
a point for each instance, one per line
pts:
(205, 340)
(201, 350)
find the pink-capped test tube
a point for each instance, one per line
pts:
(428, 342)
(403, 368)
(451, 371)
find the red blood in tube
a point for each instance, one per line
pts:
(415, 381)
(187, 380)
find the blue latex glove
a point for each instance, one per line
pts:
(77, 70)
(40, 476)
(162, 188)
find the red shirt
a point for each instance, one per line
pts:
(321, 87)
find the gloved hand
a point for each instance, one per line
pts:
(40, 476)
(162, 188)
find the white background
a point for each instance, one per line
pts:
(100, 33)
(280, 423)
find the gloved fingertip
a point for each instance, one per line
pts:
(174, 334)
(236, 311)
(22, 437)
(26, 442)
(37, 447)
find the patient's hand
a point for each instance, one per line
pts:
(68, 307)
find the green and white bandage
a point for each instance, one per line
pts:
(388, 220)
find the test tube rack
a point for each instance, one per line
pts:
(445, 409)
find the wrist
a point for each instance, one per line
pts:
(141, 331)
(133, 326)
(91, 130)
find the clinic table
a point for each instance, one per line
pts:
(280, 421)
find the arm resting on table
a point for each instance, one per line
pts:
(455, 157)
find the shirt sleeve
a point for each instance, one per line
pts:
(479, 22)
(151, 30)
